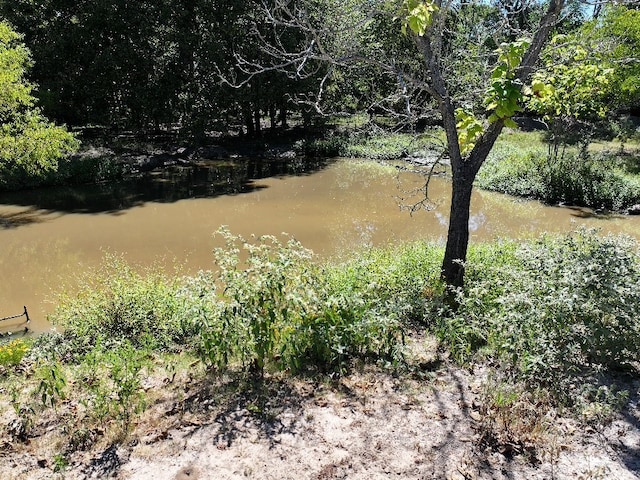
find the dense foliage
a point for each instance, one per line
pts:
(619, 33)
(559, 312)
(551, 310)
(555, 320)
(149, 64)
(29, 145)
(275, 308)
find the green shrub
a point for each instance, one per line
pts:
(279, 308)
(83, 169)
(335, 145)
(560, 309)
(591, 181)
(368, 301)
(514, 172)
(111, 381)
(370, 145)
(397, 281)
(596, 181)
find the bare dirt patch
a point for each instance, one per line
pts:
(373, 425)
(367, 425)
(431, 420)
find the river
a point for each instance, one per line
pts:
(49, 236)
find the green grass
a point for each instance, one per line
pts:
(377, 145)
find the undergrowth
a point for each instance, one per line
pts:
(555, 318)
(559, 313)
(270, 305)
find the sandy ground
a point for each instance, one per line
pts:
(368, 425)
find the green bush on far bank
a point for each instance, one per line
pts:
(597, 180)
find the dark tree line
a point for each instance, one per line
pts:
(152, 64)
(162, 64)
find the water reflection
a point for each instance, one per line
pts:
(203, 180)
(477, 221)
(19, 218)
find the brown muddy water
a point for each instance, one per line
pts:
(50, 236)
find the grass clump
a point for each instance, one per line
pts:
(118, 303)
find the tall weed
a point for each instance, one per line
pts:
(12, 352)
(112, 386)
(269, 304)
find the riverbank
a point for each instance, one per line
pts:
(354, 369)
(167, 217)
(106, 157)
(605, 177)
(346, 141)
(432, 423)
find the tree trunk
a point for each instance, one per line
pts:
(465, 169)
(257, 121)
(455, 254)
(272, 116)
(248, 120)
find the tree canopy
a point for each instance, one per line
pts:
(619, 31)
(29, 144)
(147, 64)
